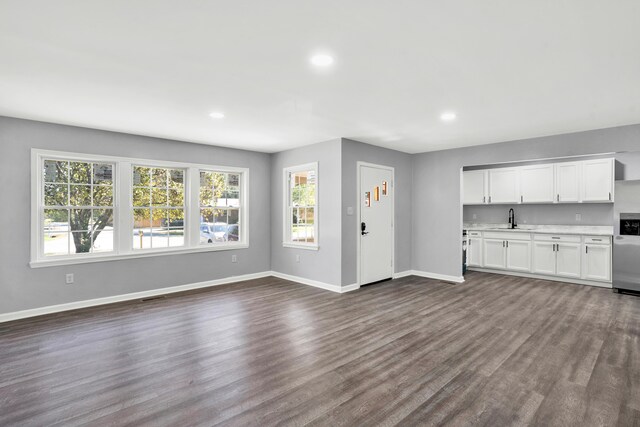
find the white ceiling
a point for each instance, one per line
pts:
(510, 69)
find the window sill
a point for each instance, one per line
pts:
(141, 254)
(308, 247)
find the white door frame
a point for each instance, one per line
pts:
(359, 219)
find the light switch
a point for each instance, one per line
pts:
(578, 217)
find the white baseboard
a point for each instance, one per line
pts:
(349, 288)
(402, 274)
(543, 277)
(305, 281)
(436, 276)
(6, 317)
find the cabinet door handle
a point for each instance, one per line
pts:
(557, 247)
(558, 197)
(507, 243)
(609, 195)
(586, 249)
(484, 199)
(489, 199)
(503, 243)
(521, 199)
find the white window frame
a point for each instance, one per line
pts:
(123, 209)
(286, 211)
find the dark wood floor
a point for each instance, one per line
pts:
(496, 350)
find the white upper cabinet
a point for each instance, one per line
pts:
(504, 185)
(568, 182)
(474, 187)
(597, 180)
(537, 184)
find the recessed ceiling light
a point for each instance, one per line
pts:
(448, 116)
(217, 115)
(321, 60)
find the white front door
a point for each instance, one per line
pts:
(376, 223)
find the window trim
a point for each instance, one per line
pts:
(286, 231)
(123, 205)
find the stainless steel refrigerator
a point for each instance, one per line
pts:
(626, 239)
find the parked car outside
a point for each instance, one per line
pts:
(213, 232)
(233, 233)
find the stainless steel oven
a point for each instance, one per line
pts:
(626, 240)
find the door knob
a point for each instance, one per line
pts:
(363, 227)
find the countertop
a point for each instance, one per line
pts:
(592, 230)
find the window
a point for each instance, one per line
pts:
(167, 207)
(77, 207)
(219, 207)
(158, 207)
(301, 206)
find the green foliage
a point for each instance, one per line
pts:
(74, 187)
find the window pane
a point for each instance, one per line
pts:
(221, 216)
(206, 215)
(233, 198)
(56, 171)
(102, 219)
(160, 238)
(176, 197)
(176, 178)
(102, 174)
(233, 181)
(80, 195)
(233, 216)
(103, 241)
(159, 177)
(233, 232)
(56, 194)
(309, 219)
(159, 217)
(56, 244)
(219, 180)
(102, 195)
(141, 218)
(56, 220)
(176, 237)
(141, 197)
(159, 196)
(81, 242)
(141, 176)
(80, 172)
(142, 238)
(310, 234)
(80, 219)
(206, 188)
(176, 218)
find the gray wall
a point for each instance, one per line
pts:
(437, 212)
(323, 265)
(591, 214)
(22, 287)
(352, 152)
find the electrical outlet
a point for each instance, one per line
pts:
(297, 258)
(349, 210)
(234, 258)
(578, 217)
(69, 278)
(475, 216)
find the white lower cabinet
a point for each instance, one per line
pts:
(519, 255)
(495, 253)
(474, 252)
(568, 256)
(544, 258)
(597, 262)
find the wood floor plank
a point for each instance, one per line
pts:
(496, 350)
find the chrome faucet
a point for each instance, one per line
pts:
(512, 219)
